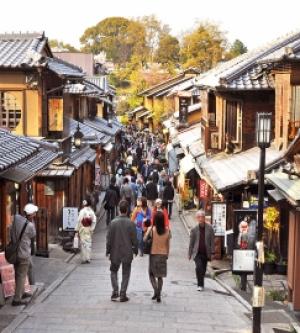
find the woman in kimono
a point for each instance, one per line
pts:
(85, 227)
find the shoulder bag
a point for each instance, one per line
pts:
(148, 242)
(11, 249)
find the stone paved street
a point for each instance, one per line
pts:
(82, 302)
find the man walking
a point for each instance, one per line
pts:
(127, 193)
(151, 192)
(201, 247)
(111, 200)
(23, 229)
(121, 244)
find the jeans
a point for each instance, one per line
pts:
(110, 214)
(201, 265)
(126, 269)
(140, 235)
(21, 271)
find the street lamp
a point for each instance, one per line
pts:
(78, 137)
(263, 139)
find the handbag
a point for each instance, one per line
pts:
(148, 243)
(11, 249)
(76, 242)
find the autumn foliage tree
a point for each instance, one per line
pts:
(204, 47)
(120, 38)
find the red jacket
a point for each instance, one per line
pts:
(166, 216)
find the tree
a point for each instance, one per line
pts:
(168, 50)
(61, 46)
(236, 49)
(154, 31)
(204, 47)
(119, 37)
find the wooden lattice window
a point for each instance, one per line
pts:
(10, 110)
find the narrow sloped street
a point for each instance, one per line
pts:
(82, 302)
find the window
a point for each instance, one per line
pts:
(233, 123)
(10, 110)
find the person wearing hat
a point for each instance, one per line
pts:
(23, 263)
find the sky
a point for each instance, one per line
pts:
(252, 21)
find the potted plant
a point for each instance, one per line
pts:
(281, 267)
(269, 265)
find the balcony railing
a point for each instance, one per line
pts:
(293, 128)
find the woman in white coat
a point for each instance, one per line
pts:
(85, 227)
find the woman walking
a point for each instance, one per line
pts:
(85, 228)
(160, 235)
(141, 216)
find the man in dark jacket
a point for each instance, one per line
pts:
(202, 246)
(168, 197)
(121, 244)
(151, 192)
(111, 200)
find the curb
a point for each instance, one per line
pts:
(24, 314)
(212, 274)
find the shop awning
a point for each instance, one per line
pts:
(187, 164)
(290, 188)
(187, 137)
(144, 114)
(276, 195)
(197, 149)
(56, 173)
(194, 107)
(228, 171)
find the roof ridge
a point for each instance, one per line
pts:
(257, 54)
(21, 35)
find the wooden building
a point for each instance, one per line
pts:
(21, 159)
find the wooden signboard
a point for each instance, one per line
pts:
(203, 189)
(55, 114)
(42, 233)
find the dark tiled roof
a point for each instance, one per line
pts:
(101, 125)
(18, 50)
(80, 156)
(251, 70)
(63, 68)
(27, 169)
(91, 135)
(14, 149)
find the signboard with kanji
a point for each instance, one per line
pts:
(203, 189)
(70, 218)
(55, 114)
(218, 218)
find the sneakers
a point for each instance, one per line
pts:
(114, 297)
(19, 303)
(124, 299)
(200, 288)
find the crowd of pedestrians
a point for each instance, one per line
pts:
(138, 204)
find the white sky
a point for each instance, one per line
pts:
(252, 21)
